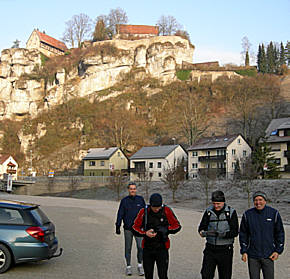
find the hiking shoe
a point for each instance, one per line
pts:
(140, 271)
(128, 271)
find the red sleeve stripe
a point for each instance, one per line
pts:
(138, 223)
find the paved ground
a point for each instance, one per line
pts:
(85, 229)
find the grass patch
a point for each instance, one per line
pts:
(247, 72)
(183, 74)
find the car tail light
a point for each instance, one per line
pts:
(36, 232)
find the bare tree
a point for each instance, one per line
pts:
(168, 25)
(246, 46)
(115, 17)
(206, 181)
(146, 178)
(174, 177)
(78, 28)
(117, 183)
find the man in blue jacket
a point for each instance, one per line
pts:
(261, 237)
(128, 210)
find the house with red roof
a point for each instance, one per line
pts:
(8, 166)
(47, 45)
(126, 31)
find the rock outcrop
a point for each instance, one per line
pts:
(156, 57)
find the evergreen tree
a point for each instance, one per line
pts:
(276, 54)
(16, 44)
(259, 58)
(100, 33)
(282, 55)
(247, 59)
(264, 161)
(287, 53)
(270, 56)
(263, 60)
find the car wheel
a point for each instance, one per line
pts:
(5, 258)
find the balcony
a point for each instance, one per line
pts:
(287, 168)
(213, 172)
(138, 170)
(287, 154)
(212, 158)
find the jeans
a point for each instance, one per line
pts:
(256, 265)
(128, 246)
(161, 257)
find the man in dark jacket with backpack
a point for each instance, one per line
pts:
(154, 223)
(261, 237)
(128, 210)
(220, 226)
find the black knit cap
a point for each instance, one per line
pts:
(218, 196)
(155, 200)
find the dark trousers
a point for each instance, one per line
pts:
(128, 235)
(256, 265)
(161, 257)
(220, 257)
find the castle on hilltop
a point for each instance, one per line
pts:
(47, 45)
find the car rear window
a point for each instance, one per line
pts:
(39, 215)
(10, 216)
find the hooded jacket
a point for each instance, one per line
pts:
(261, 233)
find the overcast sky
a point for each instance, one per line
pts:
(216, 27)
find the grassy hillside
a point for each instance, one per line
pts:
(146, 113)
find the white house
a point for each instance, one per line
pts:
(153, 161)
(217, 155)
(8, 166)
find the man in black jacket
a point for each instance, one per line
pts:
(261, 237)
(128, 210)
(220, 226)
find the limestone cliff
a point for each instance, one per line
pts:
(157, 57)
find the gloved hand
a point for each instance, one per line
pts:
(222, 234)
(118, 231)
(211, 233)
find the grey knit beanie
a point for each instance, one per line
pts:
(261, 194)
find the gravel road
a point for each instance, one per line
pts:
(85, 229)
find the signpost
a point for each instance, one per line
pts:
(9, 183)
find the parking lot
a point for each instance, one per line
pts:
(85, 229)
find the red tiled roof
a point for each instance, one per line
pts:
(3, 158)
(138, 29)
(51, 41)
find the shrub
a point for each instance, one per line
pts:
(183, 74)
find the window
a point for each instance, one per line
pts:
(39, 215)
(10, 216)
(233, 165)
(151, 165)
(194, 154)
(194, 166)
(102, 163)
(239, 141)
(159, 174)
(119, 154)
(151, 174)
(207, 153)
(92, 163)
(221, 152)
(194, 176)
(159, 165)
(276, 161)
(244, 153)
(233, 151)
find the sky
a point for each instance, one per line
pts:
(216, 27)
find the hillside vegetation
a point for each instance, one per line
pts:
(146, 113)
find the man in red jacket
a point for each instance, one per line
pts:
(154, 223)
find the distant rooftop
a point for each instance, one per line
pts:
(151, 152)
(51, 41)
(100, 153)
(213, 142)
(137, 29)
(274, 126)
